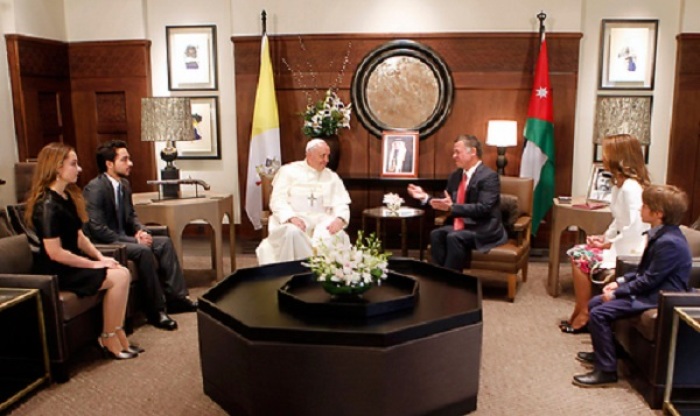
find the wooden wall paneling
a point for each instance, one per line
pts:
(684, 145)
(492, 74)
(108, 80)
(40, 82)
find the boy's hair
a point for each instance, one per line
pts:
(107, 152)
(667, 199)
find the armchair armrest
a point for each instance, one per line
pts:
(50, 303)
(161, 230)
(521, 228)
(624, 264)
(116, 251)
(440, 220)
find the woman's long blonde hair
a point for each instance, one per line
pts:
(625, 158)
(50, 159)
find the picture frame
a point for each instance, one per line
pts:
(599, 184)
(628, 54)
(205, 118)
(191, 58)
(622, 114)
(400, 154)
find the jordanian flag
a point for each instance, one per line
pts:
(264, 154)
(538, 157)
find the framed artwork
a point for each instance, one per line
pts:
(628, 54)
(599, 184)
(191, 57)
(205, 119)
(622, 115)
(400, 154)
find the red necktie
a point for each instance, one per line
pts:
(461, 196)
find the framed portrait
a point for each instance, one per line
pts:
(400, 154)
(205, 120)
(599, 184)
(628, 54)
(191, 57)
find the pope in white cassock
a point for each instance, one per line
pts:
(309, 204)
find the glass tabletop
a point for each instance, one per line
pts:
(691, 315)
(9, 296)
(384, 212)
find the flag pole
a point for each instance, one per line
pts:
(541, 16)
(263, 17)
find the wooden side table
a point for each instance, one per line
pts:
(177, 213)
(564, 215)
(404, 213)
(691, 317)
(24, 355)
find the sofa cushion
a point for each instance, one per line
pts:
(645, 324)
(75, 306)
(15, 255)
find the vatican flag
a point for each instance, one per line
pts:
(264, 155)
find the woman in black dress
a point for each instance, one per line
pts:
(56, 211)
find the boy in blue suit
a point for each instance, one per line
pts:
(665, 265)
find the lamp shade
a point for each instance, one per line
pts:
(502, 133)
(166, 119)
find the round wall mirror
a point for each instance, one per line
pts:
(402, 85)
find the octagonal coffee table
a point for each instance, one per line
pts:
(259, 358)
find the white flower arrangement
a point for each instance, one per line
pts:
(326, 116)
(343, 268)
(393, 201)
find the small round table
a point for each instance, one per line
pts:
(403, 213)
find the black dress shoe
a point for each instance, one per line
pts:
(163, 321)
(586, 357)
(596, 378)
(182, 305)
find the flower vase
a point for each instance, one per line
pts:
(394, 208)
(334, 158)
(341, 292)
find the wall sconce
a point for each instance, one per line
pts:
(167, 119)
(502, 134)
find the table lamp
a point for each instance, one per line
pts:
(502, 134)
(167, 119)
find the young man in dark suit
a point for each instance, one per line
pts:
(665, 265)
(113, 220)
(472, 199)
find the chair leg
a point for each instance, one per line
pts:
(524, 271)
(512, 285)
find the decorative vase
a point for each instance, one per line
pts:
(344, 292)
(334, 158)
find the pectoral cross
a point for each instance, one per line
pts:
(312, 199)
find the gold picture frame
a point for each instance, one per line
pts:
(400, 154)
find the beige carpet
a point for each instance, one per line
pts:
(527, 365)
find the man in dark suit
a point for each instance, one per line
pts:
(472, 198)
(113, 220)
(665, 265)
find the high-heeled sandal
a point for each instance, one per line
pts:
(135, 348)
(122, 355)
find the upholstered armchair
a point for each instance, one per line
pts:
(646, 338)
(512, 257)
(71, 322)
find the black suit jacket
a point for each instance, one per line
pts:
(103, 225)
(481, 211)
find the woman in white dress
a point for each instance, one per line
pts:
(623, 158)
